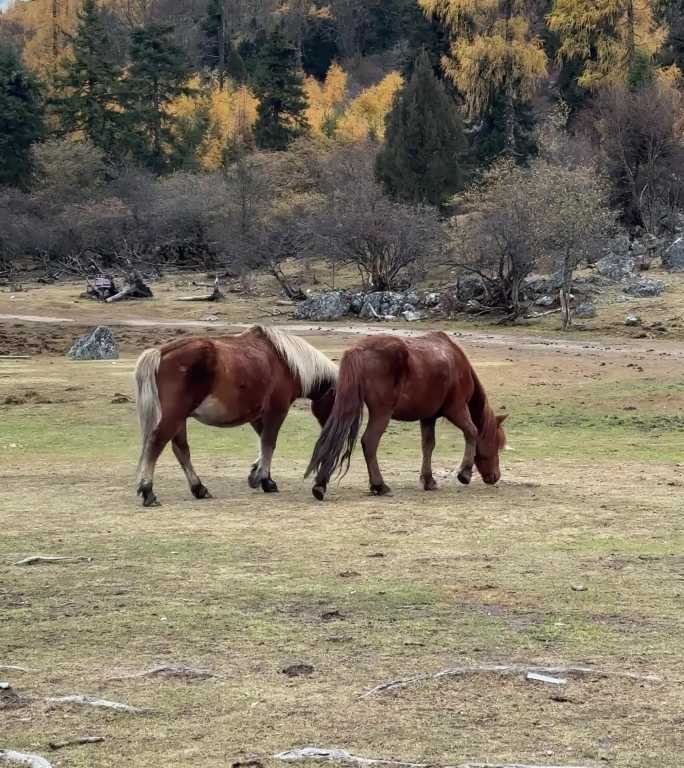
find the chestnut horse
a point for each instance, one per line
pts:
(252, 378)
(418, 379)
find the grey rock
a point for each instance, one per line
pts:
(618, 268)
(382, 304)
(469, 287)
(431, 299)
(545, 301)
(356, 303)
(620, 246)
(411, 315)
(673, 258)
(99, 344)
(585, 310)
(325, 306)
(645, 288)
(632, 321)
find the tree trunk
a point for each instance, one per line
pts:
(222, 44)
(565, 297)
(509, 104)
(631, 35)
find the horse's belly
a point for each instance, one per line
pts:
(214, 413)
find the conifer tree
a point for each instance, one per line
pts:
(21, 118)
(424, 141)
(88, 83)
(157, 75)
(614, 40)
(279, 87)
(494, 52)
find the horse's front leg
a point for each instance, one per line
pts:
(261, 471)
(461, 418)
(253, 479)
(427, 433)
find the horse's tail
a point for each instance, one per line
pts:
(148, 404)
(336, 443)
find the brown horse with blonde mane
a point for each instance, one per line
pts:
(417, 379)
(251, 378)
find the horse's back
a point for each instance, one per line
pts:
(416, 376)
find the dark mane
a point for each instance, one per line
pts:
(481, 412)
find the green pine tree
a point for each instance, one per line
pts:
(214, 50)
(21, 118)
(424, 141)
(88, 83)
(279, 87)
(157, 75)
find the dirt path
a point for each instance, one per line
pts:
(633, 348)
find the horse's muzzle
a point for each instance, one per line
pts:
(492, 479)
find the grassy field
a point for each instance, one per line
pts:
(576, 558)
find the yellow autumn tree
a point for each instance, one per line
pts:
(325, 99)
(214, 119)
(610, 38)
(494, 51)
(364, 118)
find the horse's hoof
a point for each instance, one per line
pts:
(201, 492)
(268, 486)
(465, 477)
(151, 501)
(253, 480)
(380, 490)
(429, 483)
(318, 492)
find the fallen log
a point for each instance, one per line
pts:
(9, 757)
(15, 668)
(180, 670)
(47, 559)
(506, 669)
(77, 741)
(342, 756)
(135, 289)
(91, 701)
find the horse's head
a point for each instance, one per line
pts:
(489, 446)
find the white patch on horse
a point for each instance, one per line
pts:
(210, 411)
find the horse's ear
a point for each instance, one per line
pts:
(500, 419)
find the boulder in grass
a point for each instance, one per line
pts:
(585, 310)
(99, 344)
(673, 258)
(332, 305)
(645, 288)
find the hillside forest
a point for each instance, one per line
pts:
(398, 137)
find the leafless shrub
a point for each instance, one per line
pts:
(640, 135)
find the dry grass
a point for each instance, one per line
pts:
(241, 584)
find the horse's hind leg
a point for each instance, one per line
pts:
(151, 452)
(377, 424)
(181, 451)
(427, 433)
(461, 418)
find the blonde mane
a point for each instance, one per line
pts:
(311, 366)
